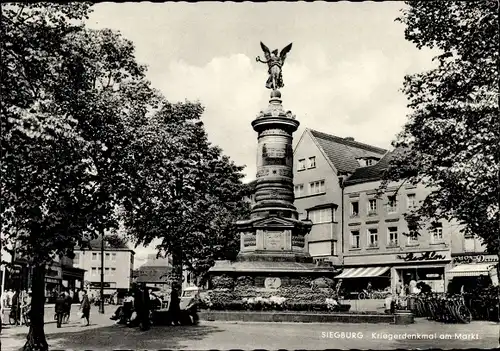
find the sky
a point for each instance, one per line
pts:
(343, 75)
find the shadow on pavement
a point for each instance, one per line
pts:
(122, 337)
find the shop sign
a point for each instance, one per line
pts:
(424, 256)
(272, 283)
(476, 259)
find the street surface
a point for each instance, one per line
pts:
(102, 334)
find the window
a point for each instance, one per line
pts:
(372, 206)
(372, 237)
(113, 271)
(76, 260)
(412, 201)
(106, 271)
(113, 257)
(413, 237)
(317, 187)
(312, 162)
(369, 161)
(321, 216)
(393, 237)
(94, 271)
(437, 232)
(299, 190)
(391, 204)
(354, 209)
(107, 257)
(355, 239)
(94, 256)
(301, 165)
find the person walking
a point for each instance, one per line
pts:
(15, 307)
(60, 309)
(85, 307)
(67, 307)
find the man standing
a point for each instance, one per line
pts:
(60, 308)
(68, 300)
(174, 310)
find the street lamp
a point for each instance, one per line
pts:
(101, 304)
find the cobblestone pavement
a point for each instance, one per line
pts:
(104, 335)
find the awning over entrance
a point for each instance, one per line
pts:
(362, 272)
(470, 270)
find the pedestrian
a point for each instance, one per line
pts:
(85, 307)
(60, 308)
(26, 307)
(67, 307)
(10, 294)
(80, 295)
(174, 309)
(15, 307)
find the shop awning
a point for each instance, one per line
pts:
(470, 270)
(362, 272)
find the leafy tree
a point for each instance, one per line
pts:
(450, 142)
(71, 100)
(188, 194)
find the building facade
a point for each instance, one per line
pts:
(118, 268)
(321, 163)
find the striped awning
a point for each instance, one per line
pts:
(362, 272)
(471, 270)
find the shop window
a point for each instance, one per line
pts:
(391, 204)
(323, 215)
(317, 187)
(393, 237)
(299, 190)
(312, 162)
(411, 201)
(94, 256)
(354, 209)
(437, 232)
(372, 206)
(355, 239)
(301, 165)
(372, 237)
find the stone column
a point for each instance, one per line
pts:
(274, 193)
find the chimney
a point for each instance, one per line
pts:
(349, 138)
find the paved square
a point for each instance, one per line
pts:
(103, 334)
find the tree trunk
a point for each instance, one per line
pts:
(177, 265)
(36, 336)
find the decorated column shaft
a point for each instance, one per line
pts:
(274, 185)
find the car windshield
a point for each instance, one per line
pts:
(189, 293)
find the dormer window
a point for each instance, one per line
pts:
(369, 161)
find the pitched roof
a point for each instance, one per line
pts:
(152, 274)
(343, 152)
(370, 173)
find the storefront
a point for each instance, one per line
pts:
(470, 271)
(387, 269)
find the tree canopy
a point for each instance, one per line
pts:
(188, 194)
(83, 133)
(450, 142)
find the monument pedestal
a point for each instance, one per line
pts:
(273, 239)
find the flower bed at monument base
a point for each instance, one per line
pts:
(295, 316)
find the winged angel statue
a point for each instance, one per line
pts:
(274, 62)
